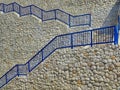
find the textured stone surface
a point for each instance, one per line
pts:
(90, 68)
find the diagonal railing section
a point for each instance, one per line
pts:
(56, 14)
(70, 40)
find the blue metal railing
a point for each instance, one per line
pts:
(56, 14)
(88, 37)
(117, 27)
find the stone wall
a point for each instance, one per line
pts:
(96, 68)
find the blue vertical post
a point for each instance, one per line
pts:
(91, 39)
(71, 41)
(116, 35)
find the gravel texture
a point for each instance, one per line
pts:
(81, 68)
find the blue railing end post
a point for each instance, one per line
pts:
(116, 36)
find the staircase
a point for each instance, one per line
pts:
(70, 40)
(56, 14)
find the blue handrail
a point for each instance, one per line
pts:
(55, 14)
(70, 40)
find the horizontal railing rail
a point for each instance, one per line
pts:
(88, 37)
(56, 14)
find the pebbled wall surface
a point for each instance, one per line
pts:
(81, 68)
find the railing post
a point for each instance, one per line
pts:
(91, 39)
(116, 36)
(71, 41)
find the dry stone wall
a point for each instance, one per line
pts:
(81, 68)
